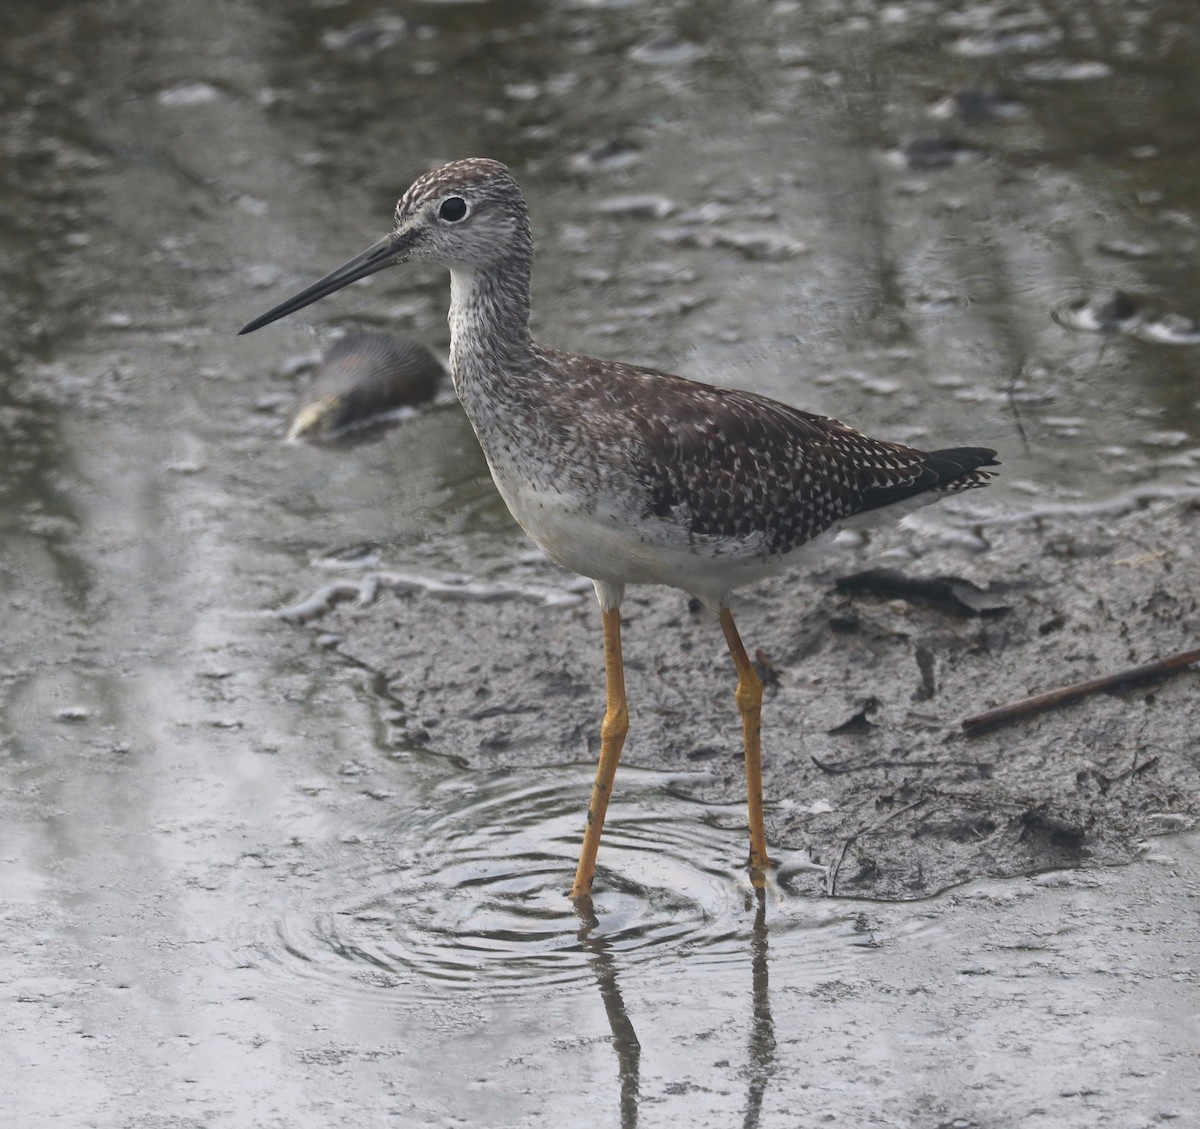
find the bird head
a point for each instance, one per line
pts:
(464, 215)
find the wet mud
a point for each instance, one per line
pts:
(868, 772)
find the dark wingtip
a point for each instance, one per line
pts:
(941, 472)
(953, 462)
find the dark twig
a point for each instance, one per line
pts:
(978, 800)
(1133, 770)
(1039, 703)
(1012, 406)
(831, 876)
(840, 768)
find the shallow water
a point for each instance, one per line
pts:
(233, 894)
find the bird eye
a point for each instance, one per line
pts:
(452, 209)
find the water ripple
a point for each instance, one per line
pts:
(466, 889)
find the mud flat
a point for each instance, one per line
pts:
(868, 770)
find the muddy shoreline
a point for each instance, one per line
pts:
(868, 773)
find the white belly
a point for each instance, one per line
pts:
(618, 547)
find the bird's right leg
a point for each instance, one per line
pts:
(749, 696)
(612, 739)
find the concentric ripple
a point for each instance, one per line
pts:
(468, 890)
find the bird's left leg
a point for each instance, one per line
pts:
(749, 700)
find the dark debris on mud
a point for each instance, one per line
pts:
(867, 767)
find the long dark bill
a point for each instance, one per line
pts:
(387, 251)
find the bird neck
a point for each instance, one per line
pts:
(489, 322)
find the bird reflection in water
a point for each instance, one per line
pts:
(762, 1026)
(624, 1038)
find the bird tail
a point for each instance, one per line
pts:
(949, 471)
(960, 468)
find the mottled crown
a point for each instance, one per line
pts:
(479, 177)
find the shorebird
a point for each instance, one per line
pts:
(628, 475)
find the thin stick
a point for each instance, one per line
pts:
(840, 768)
(1012, 405)
(831, 875)
(1039, 703)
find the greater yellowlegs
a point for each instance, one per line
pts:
(627, 475)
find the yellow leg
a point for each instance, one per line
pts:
(612, 738)
(749, 699)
